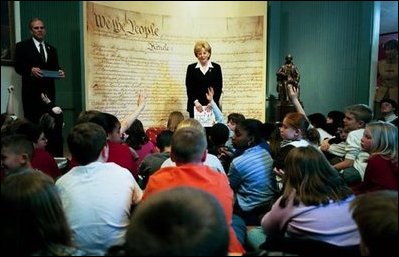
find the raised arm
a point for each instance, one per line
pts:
(10, 102)
(129, 119)
(215, 108)
(293, 93)
(50, 105)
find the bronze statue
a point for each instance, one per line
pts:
(287, 74)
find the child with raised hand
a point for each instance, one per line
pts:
(127, 121)
(232, 120)
(119, 152)
(9, 115)
(52, 123)
(293, 132)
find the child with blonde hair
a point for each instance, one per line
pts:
(380, 140)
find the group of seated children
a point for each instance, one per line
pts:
(125, 194)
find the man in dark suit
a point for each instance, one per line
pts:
(202, 75)
(32, 56)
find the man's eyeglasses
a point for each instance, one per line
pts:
(38, 27)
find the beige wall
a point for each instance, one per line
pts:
(192, 8)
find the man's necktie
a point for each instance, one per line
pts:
(42, 52)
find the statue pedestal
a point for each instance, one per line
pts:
(283, 108)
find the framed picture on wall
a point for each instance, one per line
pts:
(7, 33)
(383, 39)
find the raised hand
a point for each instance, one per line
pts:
(10, 89)
(210, 94)
(141, 99)
(292, 91)
(45, 98)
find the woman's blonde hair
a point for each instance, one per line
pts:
(199, 45)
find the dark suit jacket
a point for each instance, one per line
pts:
(26, 57)
(197, 85)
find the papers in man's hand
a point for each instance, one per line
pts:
(51, 74)
(206, 118)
